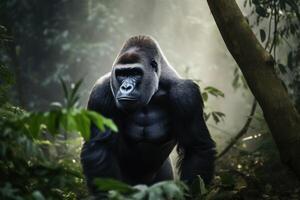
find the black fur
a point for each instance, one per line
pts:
(167, 110)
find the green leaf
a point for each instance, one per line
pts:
(33, 123)
(75, 89)
(37, 195)
(106, 184)
(198, 188)
(56, 105)
(204, 96)
(214, 91)
(52, 119)
(64, 120)
(96, 118)
(72, 125)
(261, 11)
(220, 114)
(155, 193)
(174, 190)
(235, 82)
(227, 179)
(171, 189)
(110, 124)
(83, 125)
(282, 68)
(262, 35)
(206, 116)
(68, 122)
(290, 61)
(100, 121)
(142, 192)
(115, 195)
(65, 89)
(215, 117)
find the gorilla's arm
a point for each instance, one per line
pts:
(101, 98)
(97, 155)
(195, 147)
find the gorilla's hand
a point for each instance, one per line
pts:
(98, 157)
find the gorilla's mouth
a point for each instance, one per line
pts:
(127, 103)
(129, 99)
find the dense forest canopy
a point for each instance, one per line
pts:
(52, 53)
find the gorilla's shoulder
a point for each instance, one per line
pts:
(103, 81)
(184, 88)
(101, 87)
(185, 96)
(101, 98)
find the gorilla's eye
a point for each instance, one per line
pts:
(125, 73)
(154, 65)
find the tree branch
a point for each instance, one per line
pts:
(242, 132)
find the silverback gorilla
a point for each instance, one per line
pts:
(154, 110)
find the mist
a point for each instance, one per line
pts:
(53, 52)
(190, 40)
(81, 40)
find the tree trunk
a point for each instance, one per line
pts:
(257, 66)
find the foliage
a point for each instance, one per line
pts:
(278, 22)
(159, 191)
(34, 166)
(216, 115)
(4, 37)
(58, 119)
(253, 170)
(238, 80)
(6, 80)
(283, 15)
(208, 91)
(27, 171)
(212, 91)
(63, 120)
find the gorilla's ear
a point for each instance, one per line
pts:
(186, 98)
(101, 98)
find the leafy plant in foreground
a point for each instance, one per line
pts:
(29, 168)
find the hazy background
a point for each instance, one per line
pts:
(43, 41)
(191, 41)
(80, 39)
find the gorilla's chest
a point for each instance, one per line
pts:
(150, 124)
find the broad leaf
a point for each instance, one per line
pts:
(262, 35)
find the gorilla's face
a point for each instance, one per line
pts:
(134, 79)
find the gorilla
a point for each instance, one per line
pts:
(155, 110)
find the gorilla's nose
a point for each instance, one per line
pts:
(127, 86)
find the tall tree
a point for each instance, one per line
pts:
(257, 66)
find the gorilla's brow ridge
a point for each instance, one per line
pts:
(129, 58)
